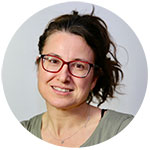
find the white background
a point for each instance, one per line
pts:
(14, 13)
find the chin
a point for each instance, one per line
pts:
(62, 104)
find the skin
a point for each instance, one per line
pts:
(67, 111)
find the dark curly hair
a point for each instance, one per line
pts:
(94, 30)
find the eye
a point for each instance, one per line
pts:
(50, 60)
(53, 60)
(79, 66)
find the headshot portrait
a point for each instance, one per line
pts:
(74, 74)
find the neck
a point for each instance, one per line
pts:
(59, 121)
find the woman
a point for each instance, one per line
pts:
(77, 61)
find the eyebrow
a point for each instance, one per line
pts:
(54, 55)
(78, 59)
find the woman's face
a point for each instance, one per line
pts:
(52, 86)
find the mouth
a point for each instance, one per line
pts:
(64, 90)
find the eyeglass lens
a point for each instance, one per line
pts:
(76, 68)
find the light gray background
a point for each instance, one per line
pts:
(19, 69)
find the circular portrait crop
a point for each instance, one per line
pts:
(74, 74)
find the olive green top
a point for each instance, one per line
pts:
(110, 124)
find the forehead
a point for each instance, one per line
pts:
(68, 46)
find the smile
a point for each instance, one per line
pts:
(61, 89)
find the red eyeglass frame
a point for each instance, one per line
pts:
(67, 63)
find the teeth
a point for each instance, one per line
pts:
(61, 90)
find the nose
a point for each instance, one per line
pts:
(64, 75)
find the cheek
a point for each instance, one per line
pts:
(43, 77)
(84, 86)
(41, 80)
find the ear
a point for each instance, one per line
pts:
(37, 59)
(95, 78)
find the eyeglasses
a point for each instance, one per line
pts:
(76, 68)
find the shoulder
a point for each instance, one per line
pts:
(33, 125)
(117, 120)
(32, 121)
(111, 114)
(110, 124)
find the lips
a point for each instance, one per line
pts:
(62, 89)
